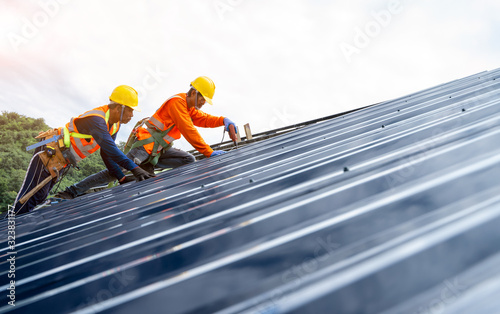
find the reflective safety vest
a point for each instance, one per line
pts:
(155, 125)
(158, 133)
(83, 145)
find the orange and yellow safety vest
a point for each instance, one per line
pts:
(83, 145)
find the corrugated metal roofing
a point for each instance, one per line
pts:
(394, 208)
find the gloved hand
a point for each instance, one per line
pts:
(141, 174)
(227, 123)
(217, 153)
(126, 179)
(65, 195)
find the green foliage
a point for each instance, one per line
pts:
(18, 131)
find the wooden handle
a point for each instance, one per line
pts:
(47, 133)
(40, 185)
(232, 133)
(54, 174)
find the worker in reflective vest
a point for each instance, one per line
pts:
(151, 144)
(178, 116)
(83, 136)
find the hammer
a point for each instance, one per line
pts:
(232, 134)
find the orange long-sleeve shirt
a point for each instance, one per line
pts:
(175, 111)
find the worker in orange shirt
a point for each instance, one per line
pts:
(151, 143)
(178, 116)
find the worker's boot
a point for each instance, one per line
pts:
(64, 195)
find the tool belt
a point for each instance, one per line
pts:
(56, 155)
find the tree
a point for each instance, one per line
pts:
(16, 133)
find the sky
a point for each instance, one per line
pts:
(274, 63)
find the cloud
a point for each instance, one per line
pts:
(274, 63)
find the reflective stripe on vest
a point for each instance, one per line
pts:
(167, 138)
(157, 122)
(83, 145)
(156, 125)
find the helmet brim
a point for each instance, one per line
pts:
(208, 100)
(136, 108)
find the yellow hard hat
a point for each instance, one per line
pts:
(125, 95)
(205, 86)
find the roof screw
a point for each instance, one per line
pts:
(251, 181)
(383, 126)
(346, 169)
(202, 186)
(463, 109)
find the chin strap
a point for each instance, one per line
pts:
(121, 115)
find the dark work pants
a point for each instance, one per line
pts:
(35, 174)
(171, 158)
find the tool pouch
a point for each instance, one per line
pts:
(52, 157)
(69, 157)
(56, 161)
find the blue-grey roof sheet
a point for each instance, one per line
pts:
(393, 208)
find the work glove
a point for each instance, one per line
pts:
(217, 153)
(65, 195)
(141, 174)
(227, 123)
(148, 167)
(126, 179)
